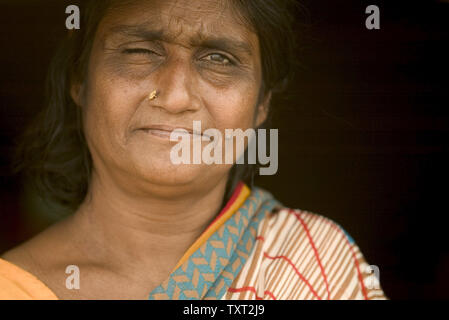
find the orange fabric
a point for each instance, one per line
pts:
(18, 284)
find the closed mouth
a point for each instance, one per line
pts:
(165, 131)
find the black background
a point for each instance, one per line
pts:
(363, 131)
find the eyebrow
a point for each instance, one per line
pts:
(201, 40)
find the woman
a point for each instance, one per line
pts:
(142, 226)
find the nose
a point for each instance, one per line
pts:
(175, 81)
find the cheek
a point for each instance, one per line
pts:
(110, 104)
(233, 107)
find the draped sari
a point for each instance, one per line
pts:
(258, 249)
(254, 249)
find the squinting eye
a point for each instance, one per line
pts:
(138, 51)
(219, 58)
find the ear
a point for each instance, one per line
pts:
(76, 92)
(262, 110)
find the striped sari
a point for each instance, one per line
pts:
(258, 249)
(254, 249)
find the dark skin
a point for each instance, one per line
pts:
(142, 212)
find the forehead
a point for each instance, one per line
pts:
(182, 21)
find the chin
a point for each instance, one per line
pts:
(161, 171)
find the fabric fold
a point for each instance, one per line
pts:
(211, 269)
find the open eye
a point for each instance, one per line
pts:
(219, 59)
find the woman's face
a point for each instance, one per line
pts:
(205, 65)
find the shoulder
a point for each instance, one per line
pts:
(318, 255)
(291, 225)
(18, 284)
(25, 270)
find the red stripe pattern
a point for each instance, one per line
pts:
(300, 255)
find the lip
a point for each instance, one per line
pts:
(165, 131)
(166, 128)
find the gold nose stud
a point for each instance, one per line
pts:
(153, 95)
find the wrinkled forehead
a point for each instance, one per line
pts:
(183, 21)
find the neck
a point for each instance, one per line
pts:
(118, 229)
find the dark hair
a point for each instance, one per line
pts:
(53, 151)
